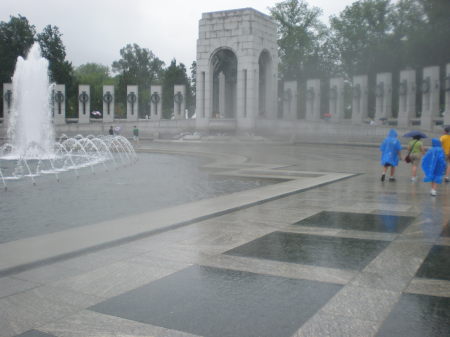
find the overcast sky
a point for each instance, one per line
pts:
(96, 30)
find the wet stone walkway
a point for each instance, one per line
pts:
(350, 257)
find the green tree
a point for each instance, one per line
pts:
(137, 66)
(301, 35)
(16, 38)
(175, 74)
(61, 70)
(96, 75)
(361, 35)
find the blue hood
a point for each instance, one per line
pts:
(436, 142)
(392, 133)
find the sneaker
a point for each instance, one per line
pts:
(433, 192)
(383, 176)
(391, 178)
(413, 179)
(446, 179)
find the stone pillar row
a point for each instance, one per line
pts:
(58, 103)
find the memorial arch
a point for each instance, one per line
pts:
(236, 70)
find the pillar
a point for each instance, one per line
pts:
(108, 103)
(7, 103)
(179, 101)
(290, 100)
(313, 100)
(84, 104)
(336, 99)
(383, 96)
(59, 104)
(406, 98)
(155, 102)
(430, 97)
(447, 95)
(360, 99)
(132, 103)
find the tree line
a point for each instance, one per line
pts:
(367, 37)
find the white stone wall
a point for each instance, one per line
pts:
(247, 33)
(84, 109)
(108, 109)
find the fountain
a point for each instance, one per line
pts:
(32, 150)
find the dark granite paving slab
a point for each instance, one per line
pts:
(317, 250)
(218, 302)
(35, 333)
(437, 264)
(418, 316)
(385, 223)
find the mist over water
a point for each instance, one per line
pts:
(30, 122)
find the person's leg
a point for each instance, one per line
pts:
(414, 171)
(433, 191)
(447, 172)
(383, 175)
(392, 178)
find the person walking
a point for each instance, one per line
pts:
(434, 165)
(416, 150)
(136, 134)
(111, 130)
(445, 141)
(390, 154)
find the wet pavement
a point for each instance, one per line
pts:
(328, 251)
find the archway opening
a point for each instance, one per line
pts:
(224, 66)
(265, 82)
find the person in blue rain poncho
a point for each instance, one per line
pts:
(434, 165)
(390, 154)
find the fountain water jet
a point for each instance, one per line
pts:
(32, 150)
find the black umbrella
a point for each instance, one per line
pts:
(415, 133)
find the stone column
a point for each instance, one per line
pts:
(84, 104)
(360, 99)
(59, 104)
(7, 103)
(336, 99)
(155, 102)
(179, 101)
(430, 97)
(108, 103)
(290, 100)
(383, 96)
(221, 95)
(447, 95)
(406, 98)
(313, 100)
(132, 103)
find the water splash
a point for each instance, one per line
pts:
(30, 128)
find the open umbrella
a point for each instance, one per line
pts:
(415, 133)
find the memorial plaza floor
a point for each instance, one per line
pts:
(328, 250)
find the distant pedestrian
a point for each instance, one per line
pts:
(111, 131)
(434, 165)
(136, 134)
(390, 154)
(117, 130)
(445, 141)
(416, 150)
